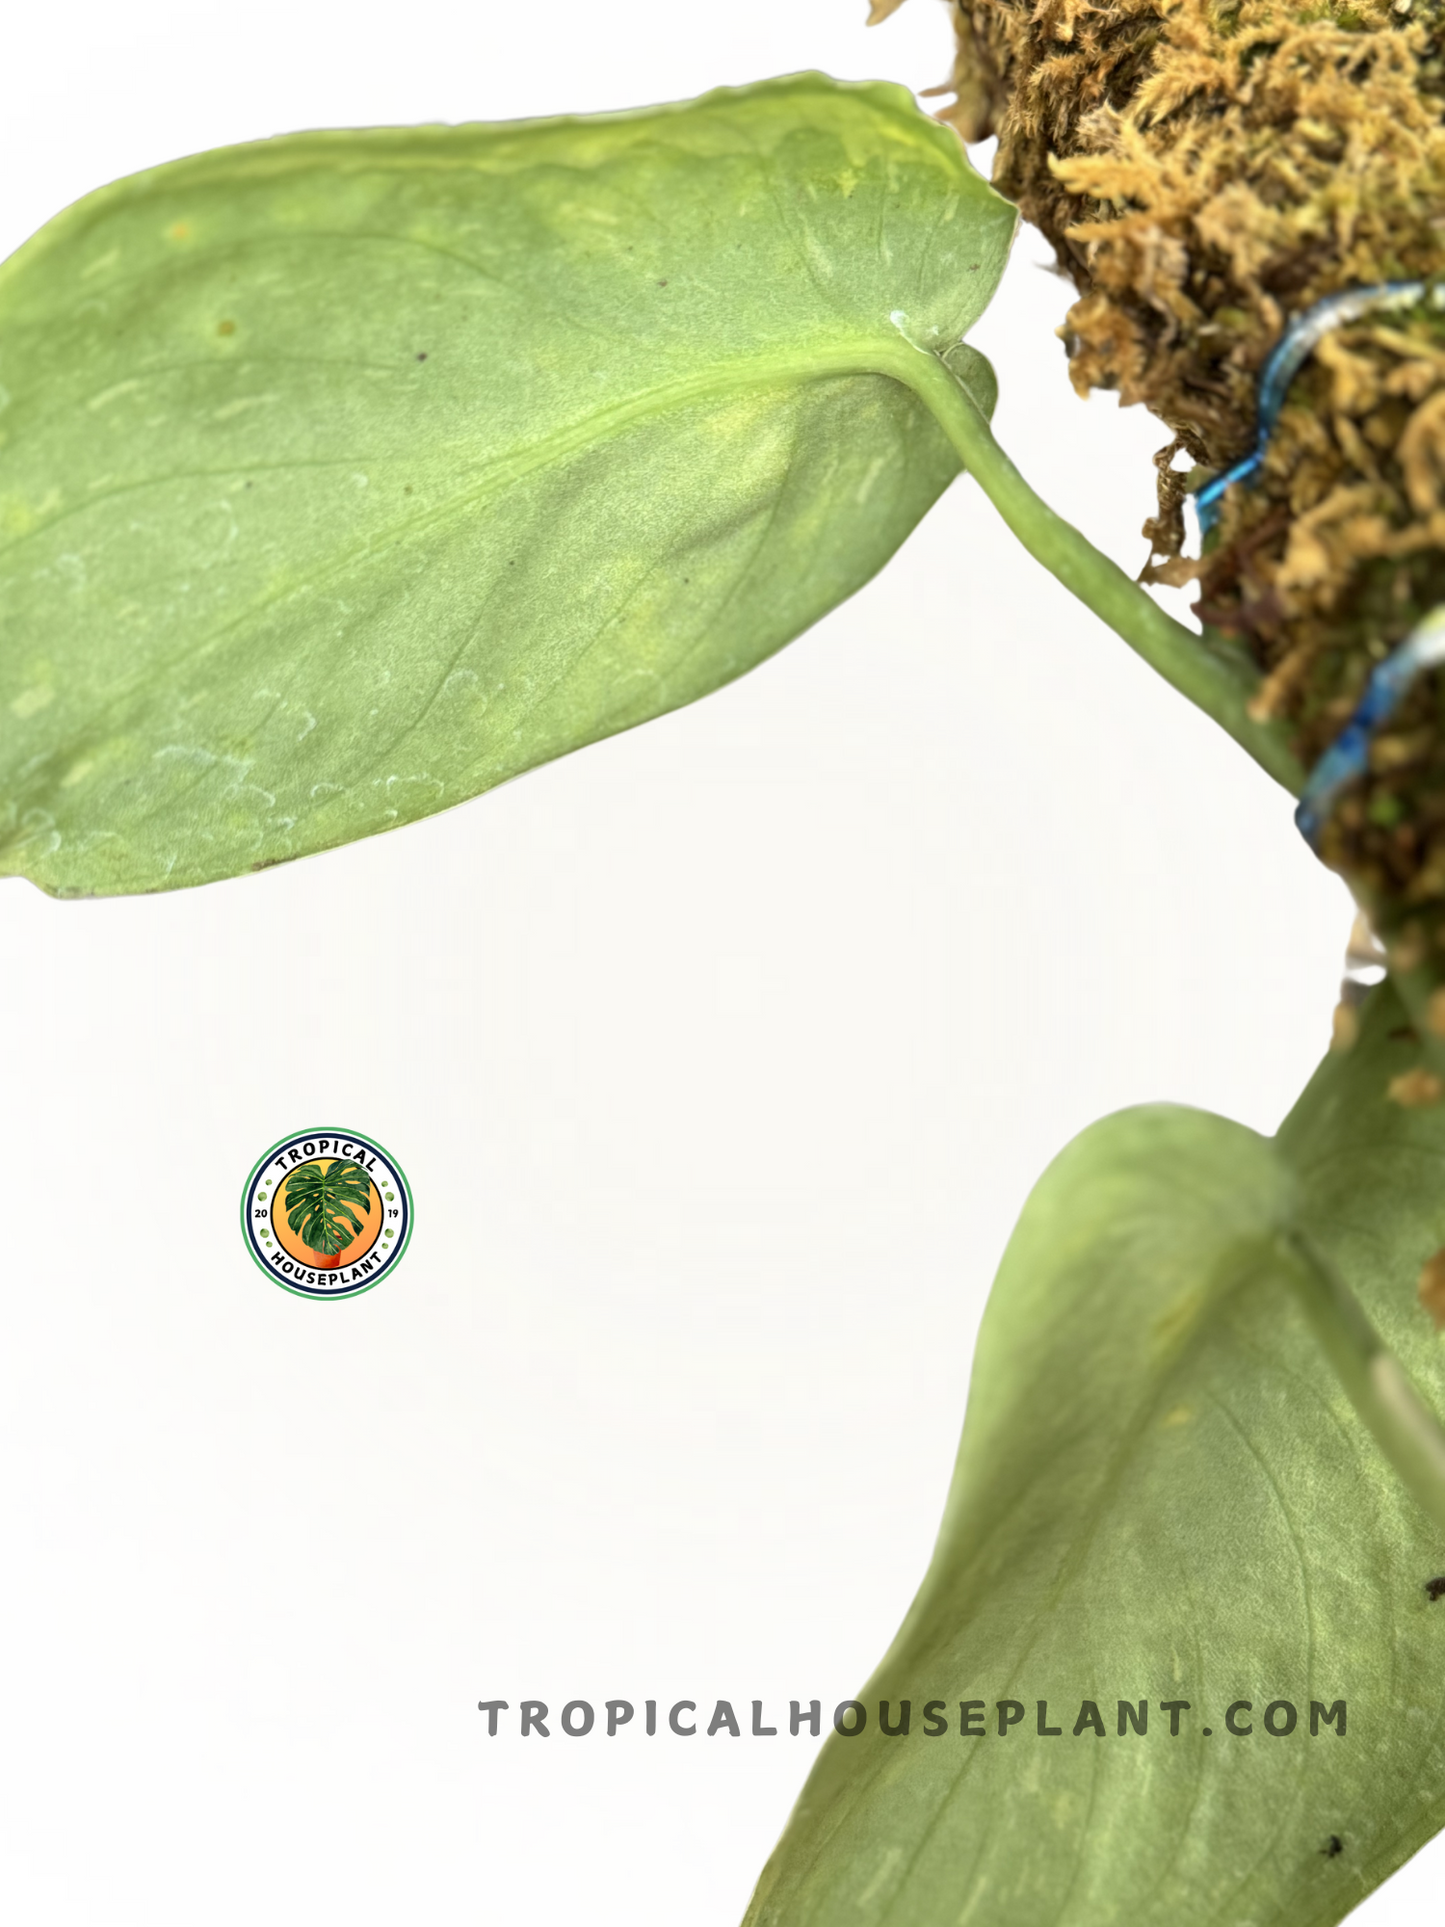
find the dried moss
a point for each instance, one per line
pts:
(1204, 171)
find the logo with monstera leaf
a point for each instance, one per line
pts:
(327, 1213)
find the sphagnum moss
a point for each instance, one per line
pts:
(1205, 172)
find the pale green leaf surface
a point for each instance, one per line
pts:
(1163, 1493)
(345, 475)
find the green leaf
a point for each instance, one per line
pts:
(345, 475)
(1163, 1493)
(316, 1199)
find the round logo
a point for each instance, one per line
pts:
(326, 1213)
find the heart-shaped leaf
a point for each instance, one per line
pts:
(348, 474)
(1164, 1495)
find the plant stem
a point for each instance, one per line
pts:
(1180, 656)
(1404, 1427)
(1415, 974)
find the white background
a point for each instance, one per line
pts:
(721, 1058)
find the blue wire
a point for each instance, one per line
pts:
(1348, 757)
(1288, 356)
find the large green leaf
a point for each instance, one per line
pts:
(1162, 1493)
(320, 1200)
(345, 475)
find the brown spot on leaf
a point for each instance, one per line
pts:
(1431, 1290)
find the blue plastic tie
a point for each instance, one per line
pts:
(1288, 356)
(1348, 756)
